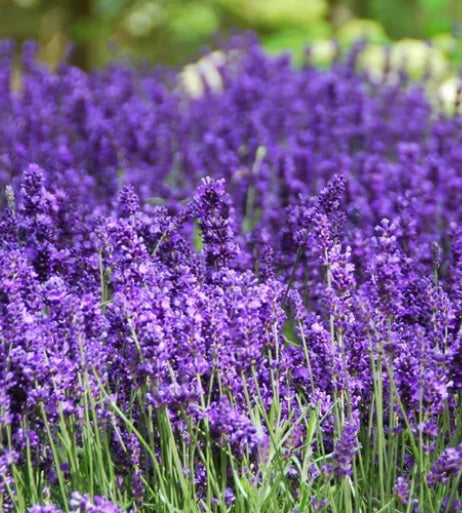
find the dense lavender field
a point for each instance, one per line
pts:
(247, 300)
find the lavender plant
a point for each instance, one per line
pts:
(244, 301)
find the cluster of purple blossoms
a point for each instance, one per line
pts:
(447, 465)
(81, 504)
(295, 235)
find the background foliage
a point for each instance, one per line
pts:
(174, 31)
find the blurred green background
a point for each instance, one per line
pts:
(174, 31)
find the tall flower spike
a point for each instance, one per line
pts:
(329, 199)
(32, 189)
(401, 490)
(213, 209)
(6, 61)
(345, 450)
(129, 202)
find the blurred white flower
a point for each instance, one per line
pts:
(449, 93)
(204, 72)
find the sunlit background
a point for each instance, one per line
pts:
(175, 31)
